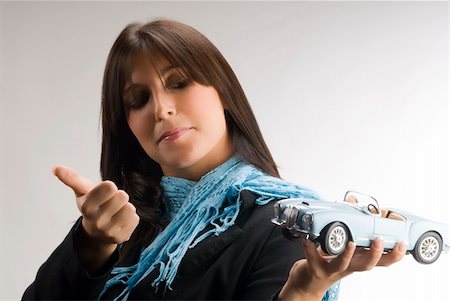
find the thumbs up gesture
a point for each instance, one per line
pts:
(108, 216)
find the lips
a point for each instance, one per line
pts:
(173, 134)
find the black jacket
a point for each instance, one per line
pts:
(251, 260)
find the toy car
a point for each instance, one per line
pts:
(360, 219)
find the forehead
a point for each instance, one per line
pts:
(141, 64)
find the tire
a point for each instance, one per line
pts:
(334, 238)
(428, 248)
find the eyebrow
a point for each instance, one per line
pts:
(168, 68)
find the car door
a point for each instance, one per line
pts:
(391, 229)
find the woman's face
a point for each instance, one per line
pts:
(179, 123)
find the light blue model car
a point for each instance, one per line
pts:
(360, 219)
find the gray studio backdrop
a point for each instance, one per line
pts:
(349, 95)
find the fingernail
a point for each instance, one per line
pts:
(380, 238)
(351, 244)
(402, 245)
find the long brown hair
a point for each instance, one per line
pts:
(123, 160)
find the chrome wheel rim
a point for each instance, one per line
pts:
(337, 238)
(429, 248)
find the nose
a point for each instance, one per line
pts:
(164, 106)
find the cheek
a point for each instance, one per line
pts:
(138, 125)
(133, 124)
(216, 122)
(207, 108)
(215, 119)
(211, 125)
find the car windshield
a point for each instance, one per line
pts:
(363, 202)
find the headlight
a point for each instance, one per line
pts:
(307, 220)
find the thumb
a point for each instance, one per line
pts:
(71, 178)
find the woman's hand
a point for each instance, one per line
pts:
(310, 278)
(108, 217)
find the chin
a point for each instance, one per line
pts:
(181, 160)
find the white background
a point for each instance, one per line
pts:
(349, 95)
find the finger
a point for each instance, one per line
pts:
(129, 228)
(123, 233)
(121, 225)
(324, 255)
(96, 197)
(111, 207)
(313, 257)
(369, 258)
(80, 185)
(342, 262)
(123, 216)
(394, 256)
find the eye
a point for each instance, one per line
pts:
(181, 84)
(136, 98)
(177, 82)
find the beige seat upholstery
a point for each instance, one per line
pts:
(384, 212)
(392, 215)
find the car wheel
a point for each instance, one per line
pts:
(428, 248)
(334, 238)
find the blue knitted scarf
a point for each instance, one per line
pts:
(191, 207)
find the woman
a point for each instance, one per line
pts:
(183, 211)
